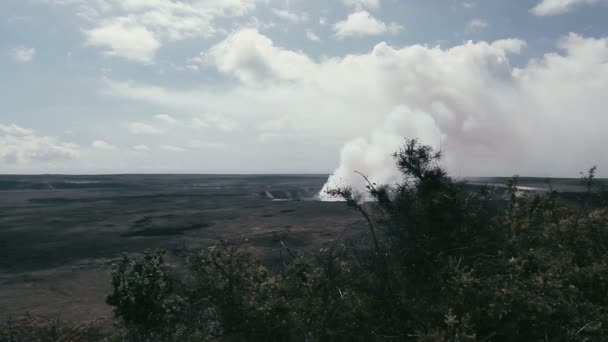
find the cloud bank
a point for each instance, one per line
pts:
(136, 29)
(20, 146)
(490, 118)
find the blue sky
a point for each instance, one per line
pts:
(275, 86)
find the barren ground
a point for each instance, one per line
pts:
(60, 234)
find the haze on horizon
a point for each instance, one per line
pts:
(280, 86)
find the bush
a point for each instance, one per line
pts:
(440, 261)
(143, 296)
(247, 301)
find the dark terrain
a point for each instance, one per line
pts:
(60, 234)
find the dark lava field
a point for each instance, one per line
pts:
(60, 234)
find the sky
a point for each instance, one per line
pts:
(302, 86)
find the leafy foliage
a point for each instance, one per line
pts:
(245, 297)
(143, 295)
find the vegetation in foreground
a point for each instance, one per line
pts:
(438, 262)
(36, 329)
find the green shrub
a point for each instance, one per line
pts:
(246, 299)
(143, 296)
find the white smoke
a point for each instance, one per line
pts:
(490, 119)
(373, 158)
(547, 118)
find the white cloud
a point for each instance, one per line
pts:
(555, 7)
(166, 118)
(136, 29)
(363, 24)
(360, 4)
(510, 45)
(253, 58)
(141, 148)
(477, 24)
(215, 121)
(103, 145)
(290, 16)
(16, 130)
(171, 148)
(142, 128)
(491, 118)
(312, 36)
(20, 146)
(124, 39)
(23, 54)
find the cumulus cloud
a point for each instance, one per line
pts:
(103, 145)
(555, 7)
(124, 38)
(21, 146)
(253, 58)
(362, 23)
(510, 45)
(546, 118)
(141, 148)
(136, 29)
(23, 54)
